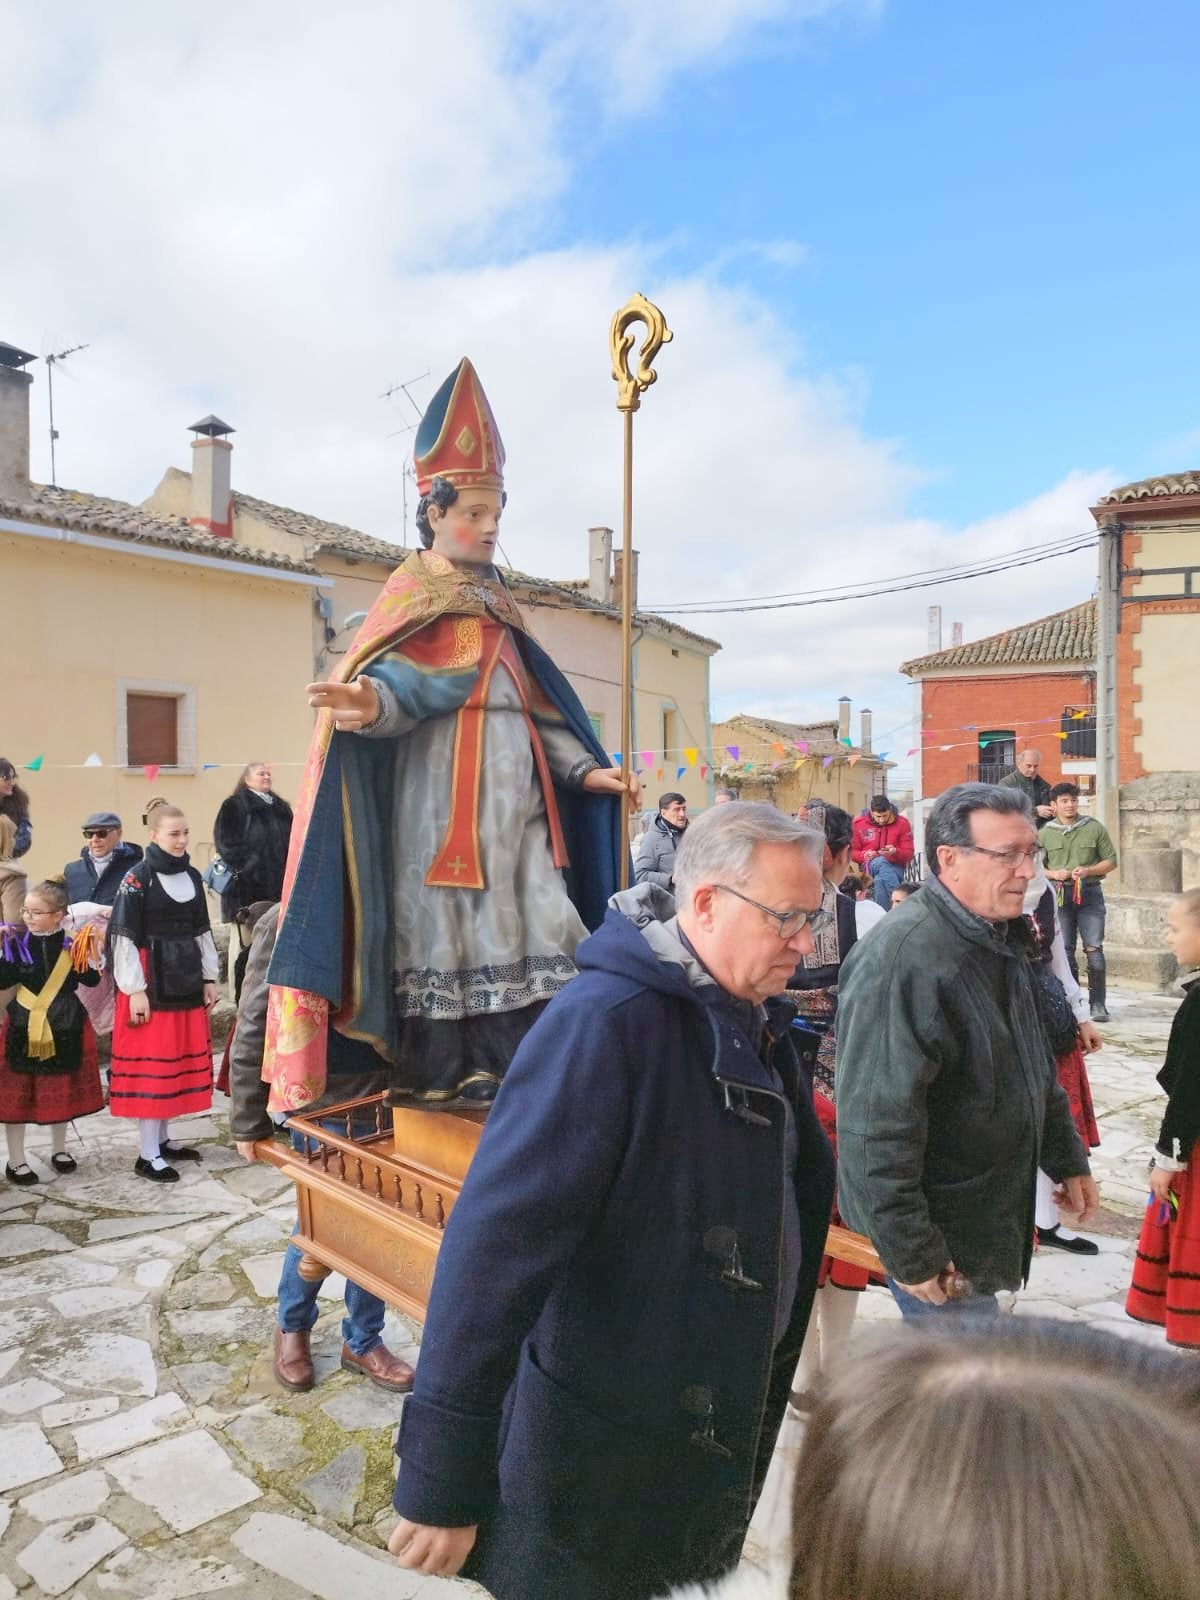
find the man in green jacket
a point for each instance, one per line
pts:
(1079, 853)
(948, 1099)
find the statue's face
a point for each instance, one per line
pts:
(468, 530)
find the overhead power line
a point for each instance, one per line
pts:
(885, 586)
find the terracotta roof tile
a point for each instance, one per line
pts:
(92, 513)
(1154, 488)
(1062, 636)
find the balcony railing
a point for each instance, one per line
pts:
(1080, 741)
(987, 772)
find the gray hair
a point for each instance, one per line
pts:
(718, 847)
(950, 820)
(1028, 750)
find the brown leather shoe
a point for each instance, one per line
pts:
(385, 1370)
(293, 1360)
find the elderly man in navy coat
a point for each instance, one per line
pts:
(625, 1281)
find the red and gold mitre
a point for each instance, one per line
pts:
(458, 438)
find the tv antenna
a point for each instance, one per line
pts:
(405, 389)
(51, 361)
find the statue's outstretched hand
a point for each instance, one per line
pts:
(354, 705)
(611, 780)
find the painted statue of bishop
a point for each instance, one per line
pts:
(459, 826)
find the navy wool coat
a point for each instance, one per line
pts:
(600, 1384)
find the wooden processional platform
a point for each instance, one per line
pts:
(373, 1206)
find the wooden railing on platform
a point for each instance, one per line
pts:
(373, 1197)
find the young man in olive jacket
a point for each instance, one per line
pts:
(625, 1280)
(948, 1099)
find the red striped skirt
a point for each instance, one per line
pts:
(48, 1097)
(1166, 1270)
(1072, 1075)
(161, 1068)
(840, 1273)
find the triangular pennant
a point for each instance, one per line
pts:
(647, 758)
(690, 756)
(802, 746)
(945, 747)
(210, 766)
(658, 775)
(777, 749)
(854, 760)
(615, 757)
(849, 743)
(914, 751)
(93, 760)
(734, 751)
(827, 762)
(151, 771)
(35, 765)
(679, 772)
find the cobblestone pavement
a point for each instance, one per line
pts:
(145, 1448)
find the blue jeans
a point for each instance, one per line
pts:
(961, 1313)
(362, 1326)
(1083, 921)
(887, 876)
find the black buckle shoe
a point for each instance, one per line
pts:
(1078, 1246)
(178, 1152)
(22, 1176)
(147, 1169)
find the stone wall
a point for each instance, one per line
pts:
(1160, 816)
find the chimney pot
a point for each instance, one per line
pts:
(864, 739)
(600, 549)
(618, 568)
(844, 716)
(212, 496)
(15, 385)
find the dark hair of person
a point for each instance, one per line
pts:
(1064, 788)
(1035, 1458)
(443, 495)
(671, 798)
(53, 891)
(880, 802)
(16, 804)
(950, 820)
(839, 828)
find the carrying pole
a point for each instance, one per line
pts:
(630, 386)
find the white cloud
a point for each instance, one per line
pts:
(274, 213)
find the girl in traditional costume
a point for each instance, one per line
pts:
(1166, 1270)
(48, 1068)
(165, 966)
(1071, 1033)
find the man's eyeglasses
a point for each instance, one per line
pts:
(1012, 857)
(97, 833)
(787, 923)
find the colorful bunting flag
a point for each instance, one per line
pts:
(679, 772)
(854, 760)
(616, 758)
(914, 751)
(210, 766)
(647, 758)
(658, 775)
(703, 773)
(882, 756)
(802, 746)
(1078, 716)
(690, 755)
(827, 762)
(849, 743)
(35, 765)
(151, 771)
(734, 751)
(93, 760)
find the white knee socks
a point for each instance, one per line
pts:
(828, 1335)
(58, 1138)
(148, 1141)
(14, 1132)
(1045, 1212)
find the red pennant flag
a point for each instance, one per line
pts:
(150, 772)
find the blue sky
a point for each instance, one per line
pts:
(931, 269)
(996, 201)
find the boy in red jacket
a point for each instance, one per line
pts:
(882, 846)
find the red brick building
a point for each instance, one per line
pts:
(979, 703)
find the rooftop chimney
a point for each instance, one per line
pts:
(955, 633)
(14, 421)
(618, 565)
(934, 640)
(864, 738)
(599, 580)
(212, 497)
(844, 717)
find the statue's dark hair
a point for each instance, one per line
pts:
(442, 494)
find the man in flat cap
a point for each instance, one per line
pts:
(96, 875)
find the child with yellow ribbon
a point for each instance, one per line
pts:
(49, 1072)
